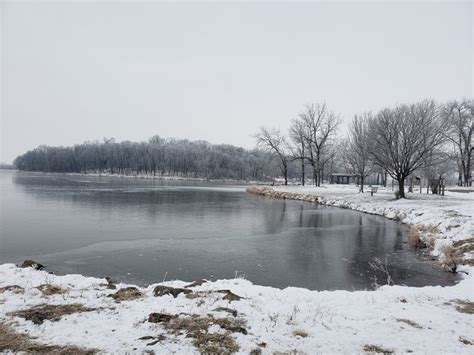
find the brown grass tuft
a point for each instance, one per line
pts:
(196, 283)
(197, 328)
(300, 333)
(40, 313)
(414, 237)
(452, 257)
(50, 289)
(422, 236)
(464, 306)
(466, 341)
(12, 341)
(12, 288)
(377, 349)
(409, 322)
(127, 294)
(229, 295)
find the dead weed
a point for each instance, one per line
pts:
(42, 312)
(377, 349)
(12, 288)
(50, 289)
(127, 294)
(12, 341)
(409, 322)
(464, 306)
(197, 328)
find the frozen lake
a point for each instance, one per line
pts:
(143, 231)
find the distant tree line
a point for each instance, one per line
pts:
(157, 156)
(6, 166)
(408, 141)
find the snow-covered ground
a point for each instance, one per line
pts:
(450, 216)
(429, 320)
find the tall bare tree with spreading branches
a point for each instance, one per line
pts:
(356, 153)
(298, 149)
(459, 119)
(403, 137)
(276, 143)
(320, 126)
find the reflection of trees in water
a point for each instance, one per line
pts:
(385, 242)
(125, 196)
(336, 246)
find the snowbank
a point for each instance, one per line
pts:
(450, 216)
(402, 319)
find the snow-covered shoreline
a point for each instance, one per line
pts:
(394, 318)
(443, 220)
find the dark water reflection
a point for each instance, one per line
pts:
(142, 231)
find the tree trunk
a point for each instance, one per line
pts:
(467, 173)
(361, 184)
(302, 172)
(401, 187)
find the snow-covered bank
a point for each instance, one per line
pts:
(442, 220)
(400, 319)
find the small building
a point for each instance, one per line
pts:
(342, 178)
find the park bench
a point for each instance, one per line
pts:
(373, 190)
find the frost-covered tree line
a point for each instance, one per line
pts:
(157, 156)
(408, 141)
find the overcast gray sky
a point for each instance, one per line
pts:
(82, 71)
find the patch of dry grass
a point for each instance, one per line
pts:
(50, 289)
(300, 333)
(229, 295)
(225, 309)
(42, 312)
(414, 237)
(12, 288)
(422, 236)
(452, 257)
(409, 322)
(377, 349)
(197, 328)
(464, 246)
(464, 306)
(13, 341)
(196, 283)
(161, 290)
(466, 341)
(127, 294)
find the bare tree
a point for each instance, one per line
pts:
(437, 165)
(356, 154)
(320, 125)
(403, 137)
(297, 135)
(275, 142)
(459, 118)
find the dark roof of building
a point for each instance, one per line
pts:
(342, 174)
